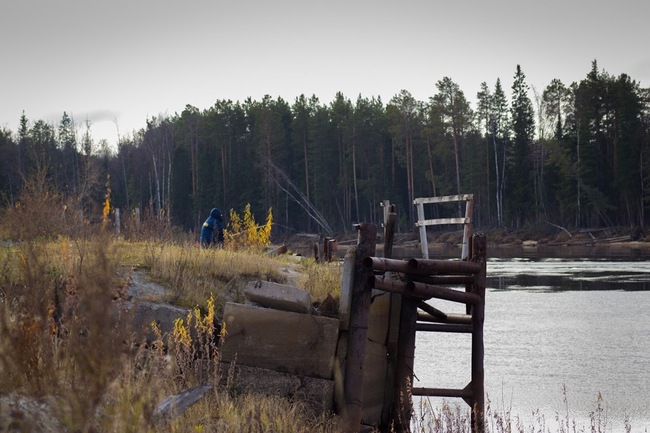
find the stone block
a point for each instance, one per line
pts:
(283, 341)
(278, 296)
(163, 314)
(318, 394)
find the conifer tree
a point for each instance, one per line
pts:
(523, 128)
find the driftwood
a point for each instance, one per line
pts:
(561, 228)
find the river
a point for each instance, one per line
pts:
(561, 333)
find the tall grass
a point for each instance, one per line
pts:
(65, 340)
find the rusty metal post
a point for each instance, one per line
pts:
(479, 244)
(358, 333)
(326, 254)
(332, 246)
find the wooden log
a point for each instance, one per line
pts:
(433, 311)
(431, 267)
(441, 317)
(421, 291)
(445, 327)
(458, 319)
(385, 264)
(358, 334)
(452, 280)
(428, 291)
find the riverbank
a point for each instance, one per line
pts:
(547, 240)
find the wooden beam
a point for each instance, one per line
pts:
(443, 392)
(445, 327)
(358, 333)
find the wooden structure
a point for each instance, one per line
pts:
(466, 221)
(412, 283)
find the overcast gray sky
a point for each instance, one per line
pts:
(118, 62)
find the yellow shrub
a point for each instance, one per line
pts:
(243, 231)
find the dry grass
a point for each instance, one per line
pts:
(64, 337)
(66, 346)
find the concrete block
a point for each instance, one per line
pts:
(339, 369)
(278, 296)
(347, 280)
(283, 341)
(379, 317)
(318, 394)
(374, 377)
(163, 314)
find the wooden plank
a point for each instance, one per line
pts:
(443, 392)
(442, 221)
(424, 241)
(443, 199)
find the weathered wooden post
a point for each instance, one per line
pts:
(478, 250)
(358, 330)
(390, 221)
(467, 229)
(389, 232)
(402, 401)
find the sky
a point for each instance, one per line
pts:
(116, 63)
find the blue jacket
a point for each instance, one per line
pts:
(212, 230)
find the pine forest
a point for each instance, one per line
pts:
(572, 155)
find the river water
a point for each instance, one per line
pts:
(564, 335)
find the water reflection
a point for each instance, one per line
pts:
(568, 274)
(564, 321)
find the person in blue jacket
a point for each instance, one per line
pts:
(212, 230)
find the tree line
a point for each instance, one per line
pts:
(575, 155)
